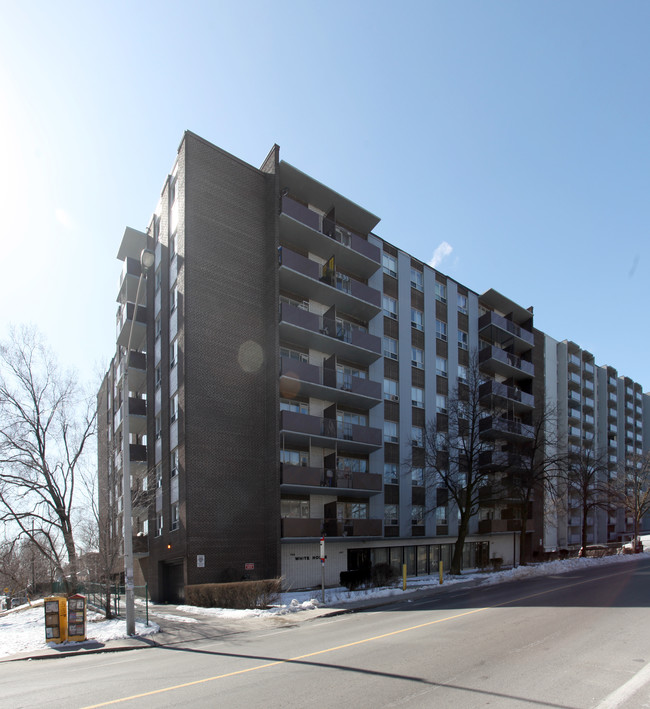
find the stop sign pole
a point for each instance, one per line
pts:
(322, 566)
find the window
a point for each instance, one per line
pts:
(173, 408)
(390, 307)
(417, 319)
(417, 357)
(462, 373)
(441, 330)
(173, 463)
(291, 457)
(158, 473)
(390, 432)
(441, 403)
(297, 407)
(172, 190)
(390, 348)
(417, 477)
(462, 304)
(441, 292)
(417, 397)
(417, 279)
(353, 465)
(390, 265)
(157, 326)
(156, 229)
(294, 354)
(158, 376)
(173, 354)
(173, 298)
(172, 246)
(390, 390)
(417, 436)
(462, 340)
(157, 279)
(159, 524)
(441, 515)
(391, 515)
(175, 518)
(441, 366)
(417, 514)
(158, 426)
(295, 507)
(390, 474)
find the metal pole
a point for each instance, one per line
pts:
(322, 567)
(126, 462)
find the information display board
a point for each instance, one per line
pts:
(77, 618)
(55, 619)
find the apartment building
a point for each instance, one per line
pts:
(283, 371)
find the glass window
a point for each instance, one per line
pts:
(417, 279)
(462, 304)
(173, 408)
(390, 265)
(417, 319)
(175, 517)
(390, 390)
(158, 376)
(391, 515)
(157, 326)
(390, 432)
(390, 474)
(172, 246)
(441, 366)
(173, 354)
(157, 279)
(417, 514)
(158, 473)
(294, 354)
(295, 508)
(158, 426)
(173, 463)
(297, 407)
(417, 436)
(462, 340)
(390, 307)
(462, 373)
(417, 397)
(441, 515)
(417, 357)
(441, 403)
(390, 348)
(173, 298)
(417, 477)
(441, 292)
(441, 330)
(159, 524)
(292, 457)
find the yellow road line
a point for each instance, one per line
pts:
(342, 647)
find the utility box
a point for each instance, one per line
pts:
(56, 620)
(77, 618)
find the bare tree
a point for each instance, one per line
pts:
(631, 491)
(453, 445)
(45, 426)
(584, 475)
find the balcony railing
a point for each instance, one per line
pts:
(508, 330)
(353, 527)
(503, 459)
(301, 527)
(299, 476)
(354, 436)
(349, 389)
(509, 393)
(495, 427)
(498, 360)
(124, 319)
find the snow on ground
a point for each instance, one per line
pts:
(22, 629)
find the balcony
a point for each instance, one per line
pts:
(353, 527)
(514, 399)
(300, 527)
(302, 275)
(326, 432)
(137, 416)
(303, 228)
(128, 282)
(327, 335)
(305, 480)
(303, 379)
(124, 320)
(495, 526)
(495, 427)
(137, 370)
(497, 361)
(140, 546)
(496, 328)
(497, 460)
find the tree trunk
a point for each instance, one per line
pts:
(457, 559)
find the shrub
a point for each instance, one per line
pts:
(353, 579)
(242, 594)
(384, 575)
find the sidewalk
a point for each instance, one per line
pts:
(181, 627)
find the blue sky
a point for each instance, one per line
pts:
(516, 132)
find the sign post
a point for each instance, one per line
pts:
(322, 566)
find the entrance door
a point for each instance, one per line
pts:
(173, 582)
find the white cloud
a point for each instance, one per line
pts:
(440, 253)
(63, 218)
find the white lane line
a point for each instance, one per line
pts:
(625, 691)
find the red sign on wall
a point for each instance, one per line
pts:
(249, 566)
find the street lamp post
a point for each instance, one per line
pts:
(146, 262)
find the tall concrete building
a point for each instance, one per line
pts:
(282, 375)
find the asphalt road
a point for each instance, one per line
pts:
(574, 640)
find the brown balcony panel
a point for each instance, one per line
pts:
(141, 545)
(500, 329)
(353, 528)
(299, 370)
(492, 526)
(137, 407)
(494, 427)
(508, 394)
(300, 213)
(137, 453)
(494, 359)
(299, 317)
(366, 340)
(299, 527)
(301, 423)
(137, 360)
(301, 475)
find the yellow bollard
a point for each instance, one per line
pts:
(403, 577)
(440, 571)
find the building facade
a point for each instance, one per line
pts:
(284, 371)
